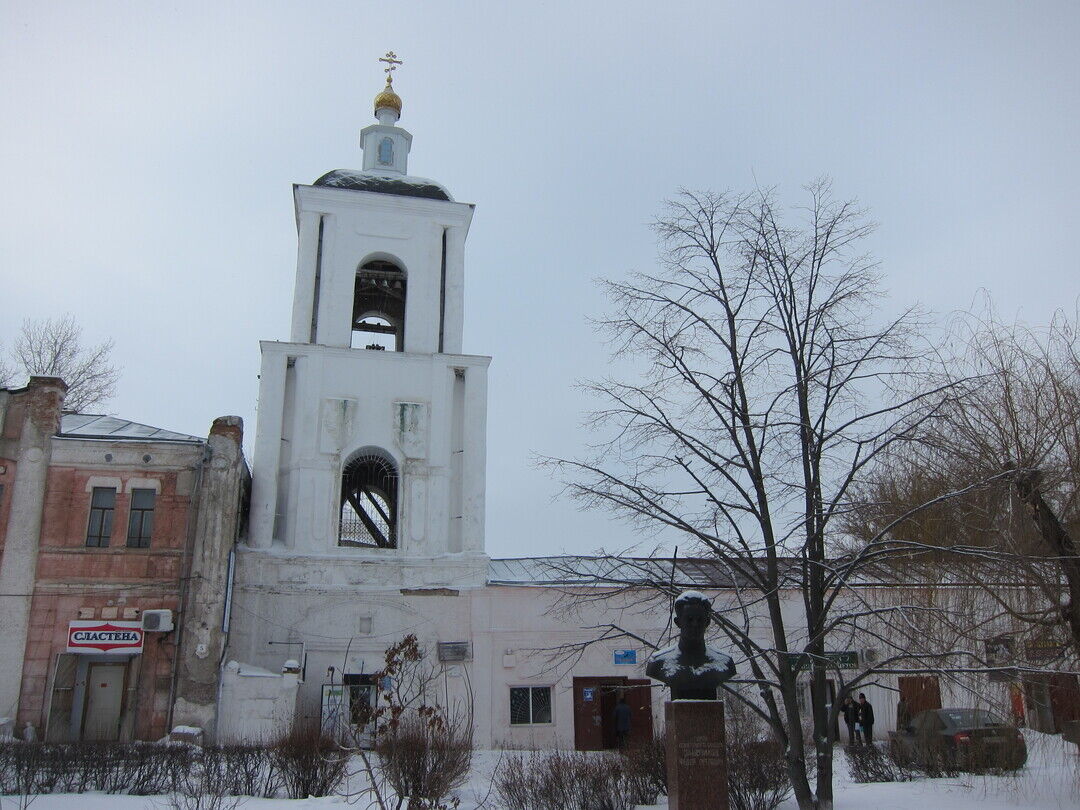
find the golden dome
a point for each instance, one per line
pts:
(388, 98)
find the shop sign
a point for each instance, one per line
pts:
(624, 657)
(1044, 650)
(845, 659)
(109, 637)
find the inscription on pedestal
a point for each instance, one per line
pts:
(696, 760)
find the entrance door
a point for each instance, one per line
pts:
(1064, 699)
(1037, 698)
(918, 693)
(639, 696)
(594, 711)
(104, 699)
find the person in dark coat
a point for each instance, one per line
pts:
(851, 716)
(622, 721)
(866, 719)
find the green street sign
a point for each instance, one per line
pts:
(845, 659)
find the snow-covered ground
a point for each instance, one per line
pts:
(1050, 781)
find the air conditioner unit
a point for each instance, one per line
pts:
(869, 655)
(451, 651)
(157, 621)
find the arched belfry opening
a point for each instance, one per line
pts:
(378, 316)
(369, 502)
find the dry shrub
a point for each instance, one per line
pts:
(565, 780)
(253, 769)
(757, 775)
(646, 766)
(138, 769)
(425, 760)
(207, 787)
(868, 763)
(310, 763)
(757, 771)
(135, 768)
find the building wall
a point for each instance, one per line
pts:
(333, 402)
(116, 582)
(512, 630)
(30, 418)
(221, 489)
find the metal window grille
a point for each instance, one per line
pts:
(369, 494)
(530, 705)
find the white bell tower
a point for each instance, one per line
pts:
(371, 436)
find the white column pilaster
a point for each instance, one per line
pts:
(264, 481)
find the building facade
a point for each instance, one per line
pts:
(367, 511)
(365, 524)
(105, 525)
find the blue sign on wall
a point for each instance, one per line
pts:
(624, 656)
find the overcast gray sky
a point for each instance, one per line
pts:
(148, 151)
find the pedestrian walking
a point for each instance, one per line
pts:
(851, 717)
(866, 719)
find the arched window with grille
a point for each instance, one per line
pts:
(369, 501)
(378, 315)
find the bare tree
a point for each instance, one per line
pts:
(763, 385)
(1021, 412)
(54, 347)
(7, 372)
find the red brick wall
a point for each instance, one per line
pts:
(71, 576)
(49, 619)
(7, 478)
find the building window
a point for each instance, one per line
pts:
(141, 519)
(530, 705)
(369, 497)
(386, 152)
(102, 504)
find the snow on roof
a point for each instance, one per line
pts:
(685, 574)
(97, 426)
(405, 185)
(580, 570)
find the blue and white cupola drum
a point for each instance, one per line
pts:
(386, 145)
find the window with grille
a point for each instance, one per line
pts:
(369, 496)
(530, 705)
(102, 505)
(141, 518)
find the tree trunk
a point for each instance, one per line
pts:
(800, 785)
(1060, 543)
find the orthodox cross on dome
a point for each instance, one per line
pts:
(391, 65)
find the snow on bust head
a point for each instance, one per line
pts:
(692, 670)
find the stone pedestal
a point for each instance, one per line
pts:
(696, 759)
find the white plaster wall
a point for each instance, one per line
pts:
(255, 704)
(347, 614)
(360, 225)
(89, 454)
(348, 399)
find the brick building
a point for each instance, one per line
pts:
(101, 520)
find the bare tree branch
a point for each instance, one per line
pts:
(53, 347)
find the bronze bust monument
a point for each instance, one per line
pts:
(690, 669)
